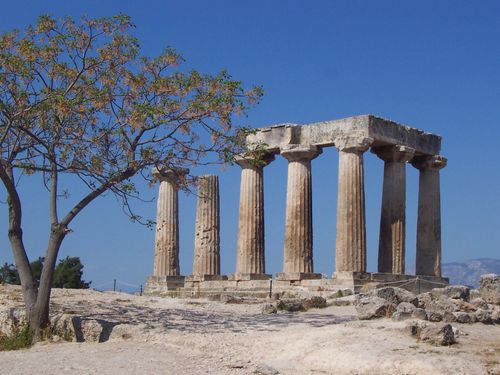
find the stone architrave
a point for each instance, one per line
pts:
(298, 256)
(428, 261)
(166, 259)
(391, 249)
(351, 231)
(207, 235)
(250, 248)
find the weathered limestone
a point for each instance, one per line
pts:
(351, 231)
(391, 255)
(394, 143)
(428, 261)
(298, 255)
(250, 248)
(207, 236)
(166, 259)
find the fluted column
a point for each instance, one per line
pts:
(166, 259)
(298, 255)
(250, 248)
(351, 231)
(391, 249)
(428, 260)
(207, 236)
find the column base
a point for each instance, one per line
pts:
(248, 276)
(297, 276)
(154, 284)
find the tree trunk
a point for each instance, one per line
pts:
(39, 314)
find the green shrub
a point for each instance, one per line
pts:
(20, 338)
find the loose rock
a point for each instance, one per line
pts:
(489, 287)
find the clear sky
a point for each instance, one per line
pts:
(434, 65)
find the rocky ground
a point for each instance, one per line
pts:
(152, 335)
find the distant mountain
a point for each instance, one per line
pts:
(467, 272)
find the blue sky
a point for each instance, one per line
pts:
(432, 65)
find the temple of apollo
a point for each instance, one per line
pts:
(396, 145)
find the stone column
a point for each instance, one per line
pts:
(250, 248)
(166, 259)
(391, 248)
(207, 236)
(428, 260)
(351, 231)
(298, 257)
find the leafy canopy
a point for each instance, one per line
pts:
(77, 97)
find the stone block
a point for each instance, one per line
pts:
(248, 276)
(297, 276)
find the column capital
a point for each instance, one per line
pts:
(254, 161)
(396, 153)
(300, 152)
(169, 174)
(435, 162)
(353, 144)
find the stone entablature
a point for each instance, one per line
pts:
(331, 133)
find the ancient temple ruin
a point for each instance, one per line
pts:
(395, 144)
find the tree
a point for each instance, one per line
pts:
(68, 274)
(9, 275)
(78, 99)
(36, 269)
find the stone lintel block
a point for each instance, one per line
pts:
(296, 276)
(198, 278)
(395, 153)
(248, 276)
(326, 133)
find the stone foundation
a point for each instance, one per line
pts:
(263, 286)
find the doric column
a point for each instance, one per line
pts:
(250, 250)
(207, 236)
(351, 231)
(428, 260)
(166, 259)
(298, 255)
(391, 248)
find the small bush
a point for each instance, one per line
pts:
(20, 338)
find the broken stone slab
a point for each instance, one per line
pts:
(395, 295)
(435, 334)
(441, 305)
(484, 316)
(480, 303)
(269, 308)
(438, 335)
(371, 307)
(419, 313)
(404, 311)
(489, 287)
(453, 291)
(463, 317)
